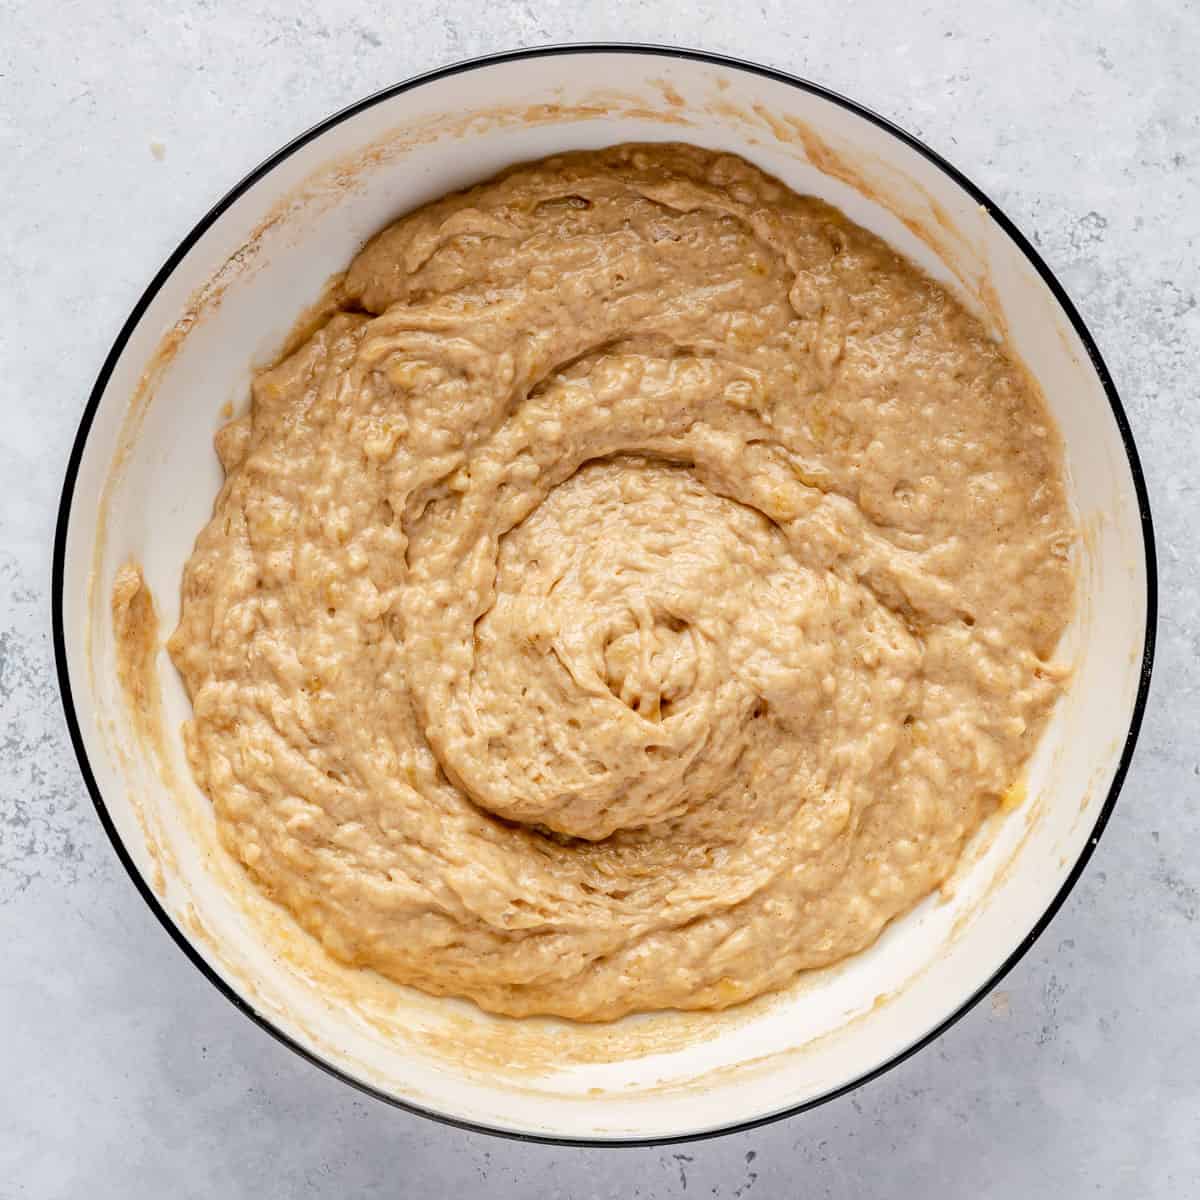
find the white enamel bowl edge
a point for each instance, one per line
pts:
(271, 244)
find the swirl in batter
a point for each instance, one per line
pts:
(636, 594)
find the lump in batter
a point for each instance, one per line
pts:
(635, 595)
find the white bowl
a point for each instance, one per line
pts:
(141, 482)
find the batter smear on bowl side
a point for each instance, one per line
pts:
(634, 595)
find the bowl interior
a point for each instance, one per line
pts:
(145, 484)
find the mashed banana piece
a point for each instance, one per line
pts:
(635, 595)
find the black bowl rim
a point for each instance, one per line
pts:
(567, 49)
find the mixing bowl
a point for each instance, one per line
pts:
(141, 482)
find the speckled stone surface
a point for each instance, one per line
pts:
(123, 1072)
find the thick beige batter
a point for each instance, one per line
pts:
(635, 595)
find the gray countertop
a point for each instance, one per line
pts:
(124, 1072)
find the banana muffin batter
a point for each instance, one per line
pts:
(634, 594)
